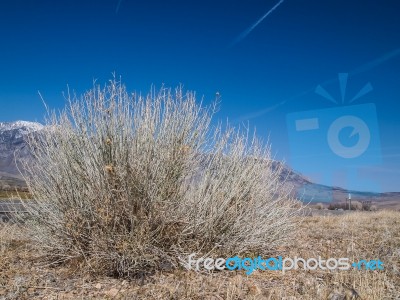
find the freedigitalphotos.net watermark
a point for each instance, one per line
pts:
(249, 265)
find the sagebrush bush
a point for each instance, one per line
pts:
(356, 205)
(128, 183)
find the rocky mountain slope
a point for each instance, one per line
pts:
(13, 149)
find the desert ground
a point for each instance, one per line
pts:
(357, 235)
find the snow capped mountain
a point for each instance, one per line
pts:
(21, 127)
(12, 141)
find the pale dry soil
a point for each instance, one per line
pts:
(360, 235)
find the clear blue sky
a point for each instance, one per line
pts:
(263, 70)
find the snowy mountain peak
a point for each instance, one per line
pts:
(24, 126)
(12, 141)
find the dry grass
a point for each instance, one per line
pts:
(358, 235)
(14, 195)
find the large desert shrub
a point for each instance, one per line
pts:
(128, 183)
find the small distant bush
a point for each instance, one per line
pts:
(366, 205)
(5, 187)
(373, 208)
(335, 206)
(355, 205)
(297, 204)
(128, 184)
(319, 206)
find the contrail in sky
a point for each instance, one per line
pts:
(250, 29)
(118, 5)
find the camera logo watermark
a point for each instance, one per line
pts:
(249, 265)
(336, 142)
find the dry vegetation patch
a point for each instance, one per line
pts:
(5, 195)
(358, 235)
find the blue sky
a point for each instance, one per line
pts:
(264, 70)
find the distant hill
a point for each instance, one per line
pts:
(12, 140)
(310, 192)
